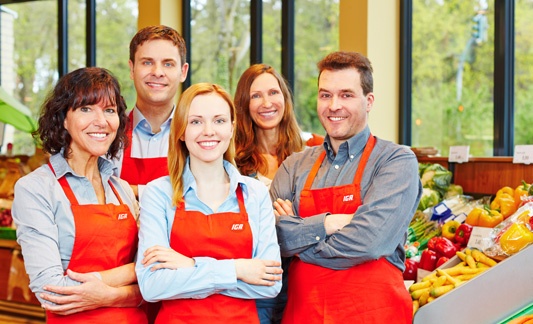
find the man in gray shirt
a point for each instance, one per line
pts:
(344, 208)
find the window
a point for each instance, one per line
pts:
(452, 75)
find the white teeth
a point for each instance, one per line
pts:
(270, 113)
(336, 118)
(99, 135)
(209, 144)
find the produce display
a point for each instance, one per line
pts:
(471, 262)
(438, 255)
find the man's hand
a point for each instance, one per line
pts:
(91, 294)
(167, 258)
(335, 222)
(283, 207)
(258, 272)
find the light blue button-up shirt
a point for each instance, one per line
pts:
(44, 220)
(208, 276)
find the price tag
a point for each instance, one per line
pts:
(458, 154)
(523, 154)
(480, 238)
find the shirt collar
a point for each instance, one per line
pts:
(140, 121)
(351, 147)
(235, 177)
(61, 166)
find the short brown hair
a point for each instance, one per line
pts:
(158, 32)
(81, 87)
(346, 60)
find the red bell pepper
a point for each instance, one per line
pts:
(445, 247)
(462, 235)
(411, 270)
(428, 260)
(442, 260)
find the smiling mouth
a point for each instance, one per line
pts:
(208, 144)
(336, 118)
(98, 135)
(156, 85)
(268, 113)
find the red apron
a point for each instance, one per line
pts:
(96, 226)
(372, 292)
(221, 236)
(140, 171)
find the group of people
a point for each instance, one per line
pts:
(215, 209)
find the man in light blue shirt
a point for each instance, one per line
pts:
(157, 67)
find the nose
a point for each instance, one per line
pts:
(334, 103)
(99, 118)
(208, 129)
(157, 69)
(266, 102)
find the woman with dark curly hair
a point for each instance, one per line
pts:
(76, 222)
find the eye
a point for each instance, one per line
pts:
(85, 109)
(146, 63)
(347, 95)
(274, 92)
(220, 121)
(255, 96)
(324, 95)
(169, 64)
(194, 122)
(111, 110)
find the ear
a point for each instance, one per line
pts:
(184, 71)
(130, 63)
(369, 101)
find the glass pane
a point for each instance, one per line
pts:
(523, 102)
(316, 34)
(272, 33)
(29, 66)
(452, 94)
(116, 24)
(220, 41)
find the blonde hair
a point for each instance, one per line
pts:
(178, 153)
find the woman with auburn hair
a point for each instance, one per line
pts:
(267, 130)
(267, 133)
(207, 240)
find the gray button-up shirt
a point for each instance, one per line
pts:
(390, 192)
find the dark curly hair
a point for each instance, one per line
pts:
(82, 87)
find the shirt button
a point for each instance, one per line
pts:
(317, 238)
(351, 156)
(336, 166)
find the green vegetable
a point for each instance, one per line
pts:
(453, 190)
(435, 176)
(429, 198)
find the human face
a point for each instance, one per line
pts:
(93, 129)
(267, 103)
(157, 73)
(209, 128)
(341, 106)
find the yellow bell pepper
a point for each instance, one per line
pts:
(484, 217)
(507, 190)
(490, 218)
(515, 238)
(520, 191)
(504, 203)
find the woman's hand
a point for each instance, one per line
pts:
(91, 294)
(258, 272)
(167, 258)
(283, 207)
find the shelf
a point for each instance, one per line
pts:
(490, 297)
